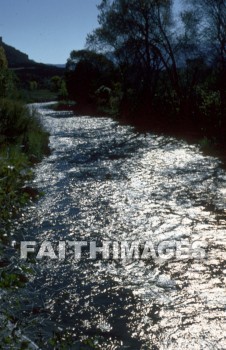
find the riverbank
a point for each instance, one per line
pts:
(23, 142)
(189, 132)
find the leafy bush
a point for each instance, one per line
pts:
(22, 141)
(13, 118)
(21, 126)
(210, 102)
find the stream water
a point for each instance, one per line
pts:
(105, 182)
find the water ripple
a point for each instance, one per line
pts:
(103, 181)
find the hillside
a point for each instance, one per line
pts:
(15, 57)
(28, 70)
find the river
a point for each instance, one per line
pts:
(105, 182)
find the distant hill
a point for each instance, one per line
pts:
(18, 59)
(15, 57)
(58, 65)
(28, 70)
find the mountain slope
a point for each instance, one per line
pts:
(15, 57)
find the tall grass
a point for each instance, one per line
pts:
(21, 126)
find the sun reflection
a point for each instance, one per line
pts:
(104, 181)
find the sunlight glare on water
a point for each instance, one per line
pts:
(104, 181)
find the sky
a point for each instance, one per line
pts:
(47, 30)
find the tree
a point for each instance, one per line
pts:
(3, 59)
(86, 72)
(213, 22)
(56, 82)
(136, 31)
(6, 76)
(33, 85)
(155, 56)
(142, 36)
(190, 55)
(212, 39)
(63, 93)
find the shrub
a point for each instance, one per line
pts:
(21, 126)
(22, 141)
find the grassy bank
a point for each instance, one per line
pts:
(39, 95)
(23, 142)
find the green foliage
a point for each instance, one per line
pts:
(7, 85)
(22, 140)
(58, 85)
(11, 280)
(13, 118)
(7, 78)
(14, 171)
(55, 83)
(19, 126)
(38, 95)
(210, 102)
(63, 93)
(205, 143)
(92, 343)
(3, 59)
(209, 109)
(33, 85)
